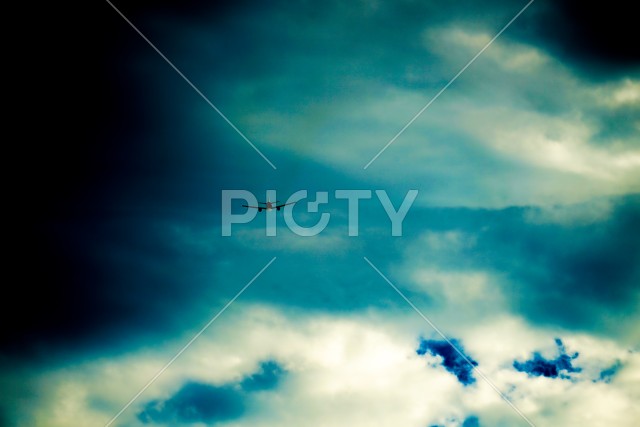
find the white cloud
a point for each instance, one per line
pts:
(557, 143)
(461, 43)
(358, 370)
(459, 296)
(460, 288)
(619, 94)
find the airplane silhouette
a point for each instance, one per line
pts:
(268, 205)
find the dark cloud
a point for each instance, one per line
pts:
(616, 124)
(597, 40)
(606, 375)
(195, 403)
(94, 279)
(561, 366)
(82, 228)
(115, 151)
(267, 378)
(205, 403)
(569, 275)
(452, 361)
(137, 151)
(567, 272)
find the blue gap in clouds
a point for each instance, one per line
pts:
(470, 421)
(550, 368)
(452, 361)
(606, 375)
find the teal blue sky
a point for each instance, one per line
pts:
(521, 245)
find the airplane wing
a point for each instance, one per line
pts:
(254, 207)
(284, 204)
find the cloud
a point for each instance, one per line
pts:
(452, 361)
(552, 129)
(476, 289)
(195, 403)
(561, 269)
(581, 214)
(267, 378)
(548, 265)
(561, 366)
(122, 251)
(342, 369)
(348, 80)
(572, 34)
(201, 402)
(620, 94)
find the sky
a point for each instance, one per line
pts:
(511, 297)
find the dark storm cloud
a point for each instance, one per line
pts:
(561, 366)
(85, 245)
(599, 41)
(195, 403)
(112, 224)
(117, 269)
(385, 40)
(289, 55)
(141, 154)
(118, 279)
(452, 361)
(104, 278)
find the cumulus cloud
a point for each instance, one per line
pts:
(358, 370)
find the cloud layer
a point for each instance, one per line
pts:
(524, 229)
(341, 369)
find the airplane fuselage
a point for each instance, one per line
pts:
(268, 206)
